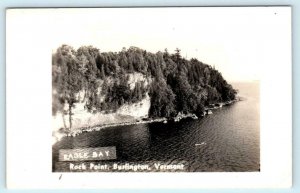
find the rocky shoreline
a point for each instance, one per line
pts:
(58, 135)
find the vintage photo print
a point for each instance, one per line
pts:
(188, 94)
(156, 91)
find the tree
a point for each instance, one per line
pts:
(69, 79)
(162, 99)
(177, 56)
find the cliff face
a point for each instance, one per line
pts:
(95, 88)
(136, 110)
(81, 117)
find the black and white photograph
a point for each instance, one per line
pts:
(149, 97)
(157, 90)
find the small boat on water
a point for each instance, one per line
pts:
(199, 144)
(209, 112)
(165, 121)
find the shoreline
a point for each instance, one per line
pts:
(57, 136)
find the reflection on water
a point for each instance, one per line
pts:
(229, 137)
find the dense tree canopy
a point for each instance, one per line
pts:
(177, 84)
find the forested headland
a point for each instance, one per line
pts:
(100, 80)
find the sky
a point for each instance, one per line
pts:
(237, 41)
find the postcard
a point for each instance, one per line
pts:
(200, 96)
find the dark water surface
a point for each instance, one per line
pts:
(230, 136)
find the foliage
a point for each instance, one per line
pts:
(178, 84)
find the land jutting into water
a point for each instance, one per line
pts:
(58, 135)
(92, 90)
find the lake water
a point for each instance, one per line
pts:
(230, 138)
